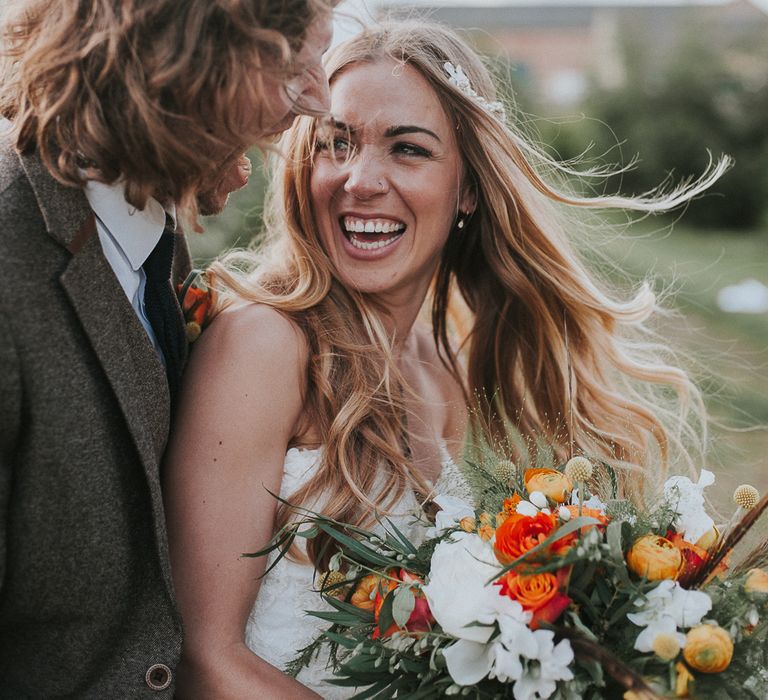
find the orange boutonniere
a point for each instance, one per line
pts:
(196, 299)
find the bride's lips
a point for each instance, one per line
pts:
(371, 236)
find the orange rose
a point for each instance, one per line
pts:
(655, 558)
(520, 533)
(539, 593)
(552, 483)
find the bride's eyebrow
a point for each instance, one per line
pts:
(341, 126)
(409, 129)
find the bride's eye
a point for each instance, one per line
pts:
(339, 146)
(411, 149)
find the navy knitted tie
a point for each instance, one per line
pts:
(162, 309)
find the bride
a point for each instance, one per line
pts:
(318, 380)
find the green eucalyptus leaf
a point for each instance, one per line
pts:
(403, 604)
(386, 617)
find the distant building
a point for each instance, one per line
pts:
(559, 49)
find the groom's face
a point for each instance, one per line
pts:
(232, 176)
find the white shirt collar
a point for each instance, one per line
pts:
(135, 231)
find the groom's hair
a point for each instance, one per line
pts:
(158, 92)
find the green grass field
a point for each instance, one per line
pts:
(730, 349)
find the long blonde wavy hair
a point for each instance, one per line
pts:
(543, 340)
(160, 92)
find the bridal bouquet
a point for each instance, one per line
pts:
(546, 591)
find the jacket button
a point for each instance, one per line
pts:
(158, 676)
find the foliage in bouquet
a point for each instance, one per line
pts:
(547, 591)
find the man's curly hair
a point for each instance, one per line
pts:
(158, 92)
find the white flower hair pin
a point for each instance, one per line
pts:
(458, 78)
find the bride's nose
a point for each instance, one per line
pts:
(365, 177)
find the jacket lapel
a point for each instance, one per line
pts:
(131, 364)
(132, 367)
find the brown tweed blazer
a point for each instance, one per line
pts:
(86, 600)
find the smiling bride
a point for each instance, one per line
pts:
(317, 379)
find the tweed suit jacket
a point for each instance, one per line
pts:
(86, 599)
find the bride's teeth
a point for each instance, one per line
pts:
(371, 245)
(352, 225)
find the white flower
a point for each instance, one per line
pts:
(687, 499)
(526, 508)
(547, 664)
(457, 592)
(752, 616)
(592, 502)
(515, 642)
(664, 625)
(668, 607)
(468, 662)
(536, 504)
(452, 510)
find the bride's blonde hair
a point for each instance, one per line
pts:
(540, 328)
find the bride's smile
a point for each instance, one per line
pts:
(387, 184)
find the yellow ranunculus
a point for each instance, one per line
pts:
(467, 523)
(757, 581)
(655, 558)
(683, 681)
(708, 648)
(552, 483)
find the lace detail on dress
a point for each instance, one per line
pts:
(278, 626)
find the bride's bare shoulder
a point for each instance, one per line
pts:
(249, 334)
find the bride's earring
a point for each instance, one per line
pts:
(462, 220)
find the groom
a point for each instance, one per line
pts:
(117, 111)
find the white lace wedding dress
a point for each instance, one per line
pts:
(278, 626)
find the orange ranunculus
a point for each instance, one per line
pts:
(655, 558)
(708, 648)
(421, 618)
(756, 581)
(366, 590)
(552, 483)
(520, 533)
(538, 593)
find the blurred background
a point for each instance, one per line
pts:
(662, 84)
